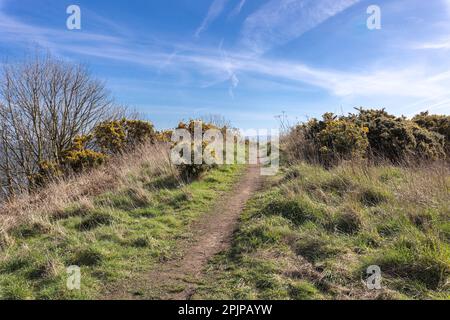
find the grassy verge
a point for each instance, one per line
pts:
(111, 237)
(313, 233)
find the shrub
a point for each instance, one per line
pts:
(369, 132)
(47, 171)
(75, 159)
(164, 136)
(396, 138)
(78, 157)
(115, 136)
(332, 139)
(428, 144)
(138, 132)
(190, 171)
(190, 126)
(110, 136)
(341, 140)
(298, 144)
(435, 123)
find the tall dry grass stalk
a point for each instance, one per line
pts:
(58, 195)
(297, 148)
(427, 184)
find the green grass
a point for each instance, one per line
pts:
(117, 236)
(312, 233)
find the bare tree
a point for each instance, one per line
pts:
(44, 104)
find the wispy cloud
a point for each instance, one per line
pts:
(274, 23)
(214, 11)
(280, 21)
(237, 9)
(14, 30)
(232, 77)
(410, 81)
(433, 104)
(440, 44)
(217, 65)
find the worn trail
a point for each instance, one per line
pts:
(212, 233)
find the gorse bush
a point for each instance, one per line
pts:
(88, 151)
(397, 138)
(79, 157)
(436, 123)
(333, 139)
(115, 136)
(110, 136)
(192, 170)
(369, 133)
(428, 145)
(47, 171)
(164, 136)
(340, 139)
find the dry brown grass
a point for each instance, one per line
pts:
(118, 173)
(296, 147)
(427, 183)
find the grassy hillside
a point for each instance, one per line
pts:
(113, 222)
(357, 191)
(312, 233)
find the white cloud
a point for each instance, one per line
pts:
(14, 30)
(232, 77)
(441, 44)
(215, 66)
(214, 11)
(238, 8)
(412, 81)
(218, 66)
(437, 104)
(280, 21)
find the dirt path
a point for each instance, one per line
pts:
(176, 279)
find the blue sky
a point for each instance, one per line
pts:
(248, 60)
